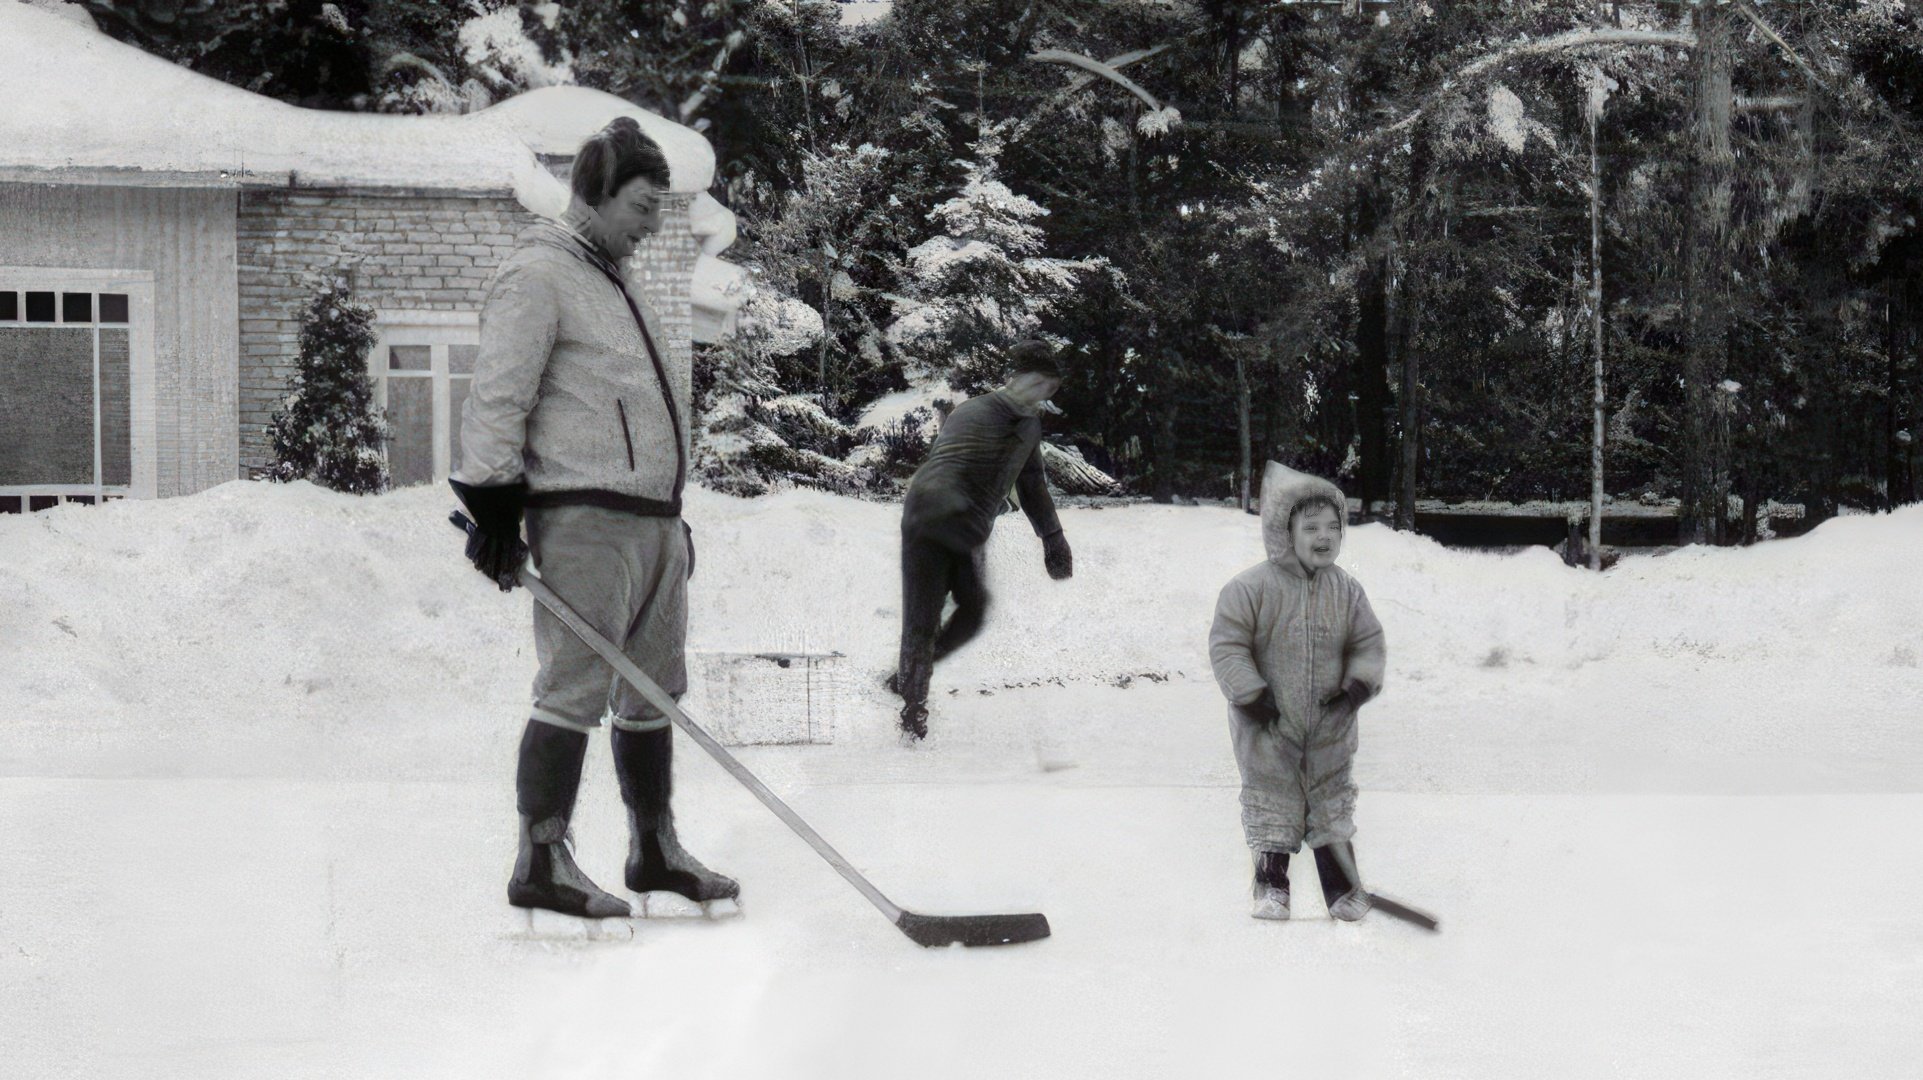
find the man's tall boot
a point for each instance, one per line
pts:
(545, 783)
(644, 762)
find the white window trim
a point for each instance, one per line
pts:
(143, 429)
(437, 330)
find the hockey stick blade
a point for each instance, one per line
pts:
(934, 931)
(926, 930)
(1400, 910)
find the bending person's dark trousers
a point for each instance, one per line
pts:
(933, 567)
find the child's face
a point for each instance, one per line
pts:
(1318, 538)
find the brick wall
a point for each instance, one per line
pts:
(412, 252)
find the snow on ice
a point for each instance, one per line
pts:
(256, 786)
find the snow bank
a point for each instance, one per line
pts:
(253, 603)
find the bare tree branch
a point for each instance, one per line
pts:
(1097, 67)
(1570, 39)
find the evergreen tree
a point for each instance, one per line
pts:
(327, 429)
(982, 283)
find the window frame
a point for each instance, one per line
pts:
(437, 330)
(142, 428)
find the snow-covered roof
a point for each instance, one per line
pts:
(558, 119)
(87, 107)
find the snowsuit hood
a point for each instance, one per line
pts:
(1282, 489)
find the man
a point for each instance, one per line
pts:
(579, 420)
(987, 446)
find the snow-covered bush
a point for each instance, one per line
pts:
(327, 429)
(901, 444)
(752, 445)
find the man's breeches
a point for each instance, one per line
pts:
(627, 575)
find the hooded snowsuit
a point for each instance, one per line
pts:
(1301, 637)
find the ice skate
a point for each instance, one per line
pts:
(545, 874)
(1350, 906)
(1270, 903)
(657, 863)
(546, 877)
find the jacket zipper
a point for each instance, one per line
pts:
(625, 437)
(1308, 629)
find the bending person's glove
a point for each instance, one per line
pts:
(494, 546)
(1057, 557)
(1262, 711)
(1353, 693)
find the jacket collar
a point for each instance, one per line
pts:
(560, 235)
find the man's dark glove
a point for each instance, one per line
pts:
(1353, 694)
(1057, 557)
(1261, 711)
(494, 546)
(687, 531)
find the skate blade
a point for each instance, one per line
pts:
(672, 906)
(544, 925)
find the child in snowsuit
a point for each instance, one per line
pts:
(1297, 650)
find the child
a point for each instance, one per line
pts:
(1297, 651)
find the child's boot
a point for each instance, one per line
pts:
(1271, 885)
(1341, 882)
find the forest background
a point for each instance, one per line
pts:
(1538, 250)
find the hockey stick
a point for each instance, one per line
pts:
(1344, 857)
(927, 930)
(1402, 911)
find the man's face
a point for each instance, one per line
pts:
(629, 216)
(1318, 538)
(1030, 388)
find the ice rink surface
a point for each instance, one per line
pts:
(255, 787)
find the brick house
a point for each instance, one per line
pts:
(160, 231)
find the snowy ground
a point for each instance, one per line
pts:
(256, 813)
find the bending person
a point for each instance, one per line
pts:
(987, 446)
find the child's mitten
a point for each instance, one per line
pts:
(1261, 711)
(1353, 692)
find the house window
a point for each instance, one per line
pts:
(422, 367)
(68, 377)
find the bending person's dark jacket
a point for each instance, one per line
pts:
(986, 446)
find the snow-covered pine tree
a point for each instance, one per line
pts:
(981, 284)
(752, 437)
(327, 429)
